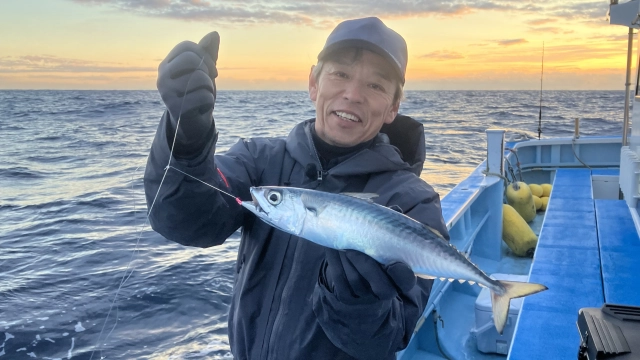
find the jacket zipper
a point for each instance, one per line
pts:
(294, 267)
(321, 172)
(283, 297)
(287, 286)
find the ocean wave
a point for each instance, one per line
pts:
(11, 127)
(53, 159)
(61, 207)
(49, 138)
(507, 114)
(21, 173)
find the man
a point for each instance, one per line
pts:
(294, 299)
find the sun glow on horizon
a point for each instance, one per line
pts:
(76, 44)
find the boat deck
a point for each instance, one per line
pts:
(619, 252)
(587, 253)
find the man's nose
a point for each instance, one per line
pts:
(354, 92)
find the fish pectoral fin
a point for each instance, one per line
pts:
(362, 196)
(315, 210)
(313, 206)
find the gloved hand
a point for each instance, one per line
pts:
(186, 82)
(356, 278)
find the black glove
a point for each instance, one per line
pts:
(186, 82)
(356, 278)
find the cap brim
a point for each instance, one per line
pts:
(357, 43)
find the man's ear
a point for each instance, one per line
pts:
(313, 85)
(393, 113)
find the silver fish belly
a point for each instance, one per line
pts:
(346, 222)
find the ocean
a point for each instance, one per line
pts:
(81, 274)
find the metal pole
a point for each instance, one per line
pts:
(625, 128)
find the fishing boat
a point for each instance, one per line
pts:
(588, 244)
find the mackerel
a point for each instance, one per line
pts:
(353, 221)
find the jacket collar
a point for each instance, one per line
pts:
(379, 157)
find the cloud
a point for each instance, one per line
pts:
(442, 55)
(540, 21)
(509, 42)
(581, 10)
(324, 13)
(580, 54)
(549, 29)
(49, 63)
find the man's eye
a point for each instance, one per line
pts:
(376, 87)
(341, 74)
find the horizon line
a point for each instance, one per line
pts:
(294, 90)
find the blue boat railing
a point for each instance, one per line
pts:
(473, 214)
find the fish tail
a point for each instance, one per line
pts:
(500, 302)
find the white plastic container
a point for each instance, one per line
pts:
(487, 337)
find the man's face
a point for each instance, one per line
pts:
(353, 96)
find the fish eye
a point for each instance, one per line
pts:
(274, 197)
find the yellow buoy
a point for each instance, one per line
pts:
(516, 233)
(546, 190)
(537, 202)
(536, 190)
(519, 196)
(545, 202)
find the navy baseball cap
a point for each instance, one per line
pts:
(370, 34)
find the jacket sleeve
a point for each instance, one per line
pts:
(186, 210)
(381, 329)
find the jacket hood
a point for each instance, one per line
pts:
(381, 156)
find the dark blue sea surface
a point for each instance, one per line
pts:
(81, 274)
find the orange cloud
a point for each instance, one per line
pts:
(442, 55)
(541, 21)
(510, 42)
(50, 63)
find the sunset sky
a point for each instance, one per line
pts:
(471, 44)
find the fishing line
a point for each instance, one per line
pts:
(122, 282)
(126, 277)
(237, 199)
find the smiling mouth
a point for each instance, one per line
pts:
(346, 116)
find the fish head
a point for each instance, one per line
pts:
(280, 207)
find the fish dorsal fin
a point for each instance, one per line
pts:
(362, 196)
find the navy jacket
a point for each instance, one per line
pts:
(279, 309)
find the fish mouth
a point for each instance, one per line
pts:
(254, 206)
(255, 201)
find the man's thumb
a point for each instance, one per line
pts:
(211, 43)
